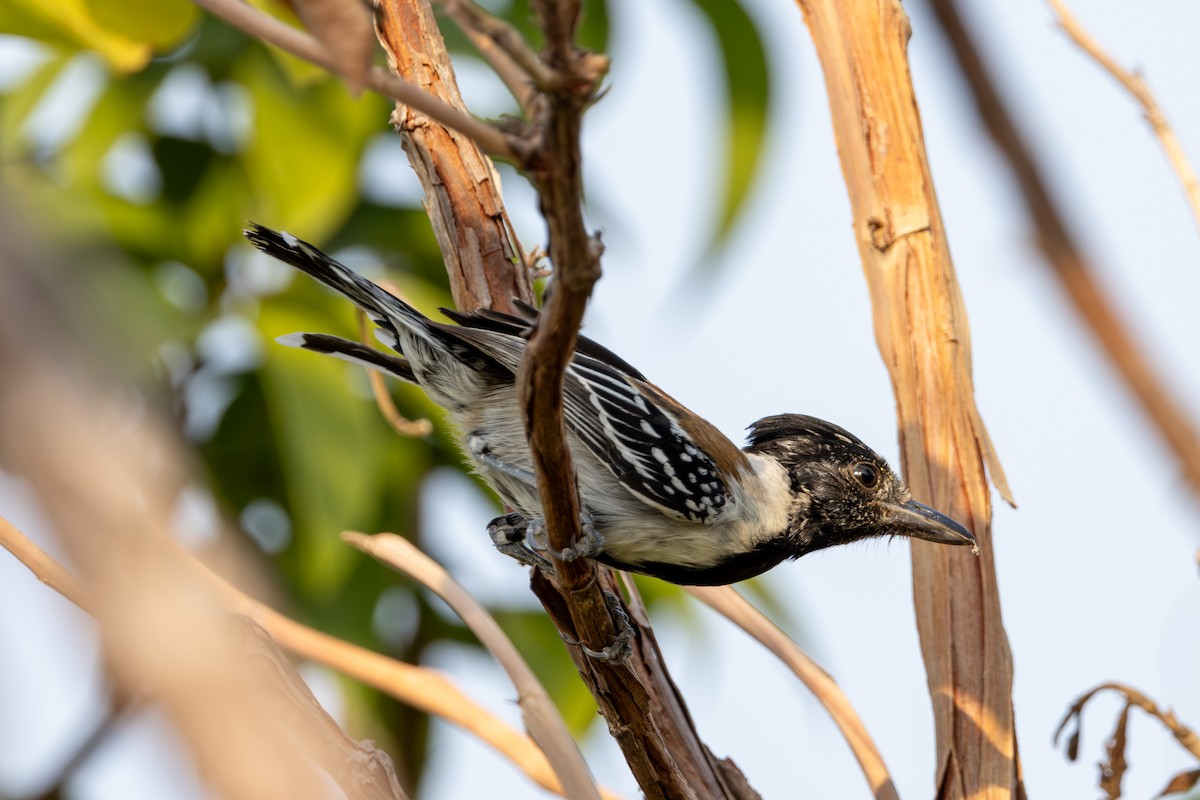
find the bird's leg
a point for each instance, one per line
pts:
(481, 451)
(621, 648)
(518, 537)
(510, 536)
(590, 543)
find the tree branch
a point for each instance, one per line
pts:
(726, 600)
(1064, 256)
(643, 709)
(415, 686)
(510, 56)
(1136, 86)
(300, 44)
(485, 263)
(542, 719)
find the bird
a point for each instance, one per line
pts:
(662, 491)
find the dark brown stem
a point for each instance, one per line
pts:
(1064, 256)
(644, 710)
(510, 56)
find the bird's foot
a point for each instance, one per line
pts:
(510, 535)
(526, 540)
(589, 544)
(621, 648)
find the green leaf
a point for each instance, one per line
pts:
(593, 26)
(124, 32)
(159, 23)
(332, 448)
(303, 158)
(748, 95)
(19, 103)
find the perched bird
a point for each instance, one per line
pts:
(663, 492)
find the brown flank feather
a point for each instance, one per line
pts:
(727, 456)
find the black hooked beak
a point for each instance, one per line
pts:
(922, 522)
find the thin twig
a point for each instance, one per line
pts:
(1137, 86)
(383, 400)
(418, 687)
(726, 601)
(298, 43)
(1064, 255)
(1186, 737)
(507, 38)
(542, 719)
(511, 57)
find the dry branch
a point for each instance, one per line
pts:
(1137, 86)
(921, 330)
(484, 260)
(109, 489)
(726, 601)
(509, 55)
(344, 28)
(1064, 255)
(418, 687)
(360, 768)
(1112, 769)
(379, 390)
(542, 719)
(300, 44)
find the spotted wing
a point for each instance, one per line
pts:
(634, 432)
(647, 449)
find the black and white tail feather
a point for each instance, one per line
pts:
(665, 493)
(642, 446)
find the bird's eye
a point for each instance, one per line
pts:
(866, 474)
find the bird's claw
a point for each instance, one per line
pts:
(621, 648)
(589, 544)
(526, 541)
(509, 535)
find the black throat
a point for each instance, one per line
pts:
(736, 568)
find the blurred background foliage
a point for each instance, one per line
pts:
(143, 134)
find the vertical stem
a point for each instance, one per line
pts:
(921, 330)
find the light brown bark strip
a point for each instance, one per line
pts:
(921, 330)
(484, 261)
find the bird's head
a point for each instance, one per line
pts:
(845, 492)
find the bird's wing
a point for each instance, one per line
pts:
(649, 448)
(658, 450)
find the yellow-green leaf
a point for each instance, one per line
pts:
(70, 23)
